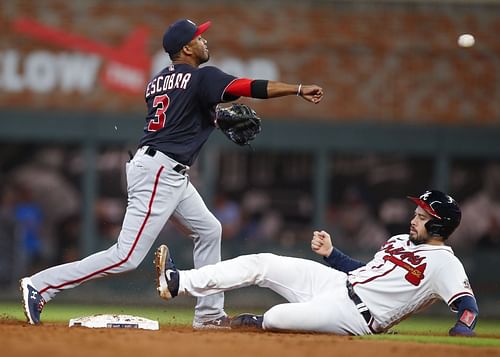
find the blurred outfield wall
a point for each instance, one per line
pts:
(384, 61)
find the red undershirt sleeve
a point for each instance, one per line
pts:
(241, 87)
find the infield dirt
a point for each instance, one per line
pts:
(50, 339)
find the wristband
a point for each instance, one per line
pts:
(298, 90)
(461, 330)
(259, 88)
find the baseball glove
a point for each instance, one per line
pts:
(238, 122)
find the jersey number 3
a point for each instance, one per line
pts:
(161, 103)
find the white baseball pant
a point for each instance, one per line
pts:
(317, 294)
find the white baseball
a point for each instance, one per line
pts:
(466, 40)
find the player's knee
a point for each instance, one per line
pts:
(122, 262)
(210, 232)
(266, 256)
(130, 264)
(214, 231)
(256, 266)
(298, 317)
(274, 320)
(265, 259)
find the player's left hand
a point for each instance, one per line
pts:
(311, 93)
(461, 330)
(321, 243)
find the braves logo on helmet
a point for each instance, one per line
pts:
(446, 214)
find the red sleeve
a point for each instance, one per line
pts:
(241, 87)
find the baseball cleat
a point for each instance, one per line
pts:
(222, 322)
(247, 321)
(167, 276)
(33, 302)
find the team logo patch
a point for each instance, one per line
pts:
(467, 284)
(468, 318)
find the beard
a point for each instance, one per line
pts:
(417, 239)
(205, 58)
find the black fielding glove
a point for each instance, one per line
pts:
(238, 122)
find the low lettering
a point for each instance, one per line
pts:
(43, 72)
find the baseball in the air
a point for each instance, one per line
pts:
(466, 40)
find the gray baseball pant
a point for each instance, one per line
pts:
(155, 193)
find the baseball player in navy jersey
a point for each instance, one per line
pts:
(408, 273)
(180, 100)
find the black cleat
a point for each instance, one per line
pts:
(247, 321)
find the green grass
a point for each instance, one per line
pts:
(435, 330)
(467, 341)
(434, 325)
(415, 329)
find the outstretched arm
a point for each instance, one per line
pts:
(321, 244)
(310, 92)
(467, 312)
(263, 89)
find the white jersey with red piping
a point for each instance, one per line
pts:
(403, 278)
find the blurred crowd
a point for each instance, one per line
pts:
(41, 203)
(39, 210)
(481, 213)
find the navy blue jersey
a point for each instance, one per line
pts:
(181, 100)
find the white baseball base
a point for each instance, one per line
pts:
(114, 321)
